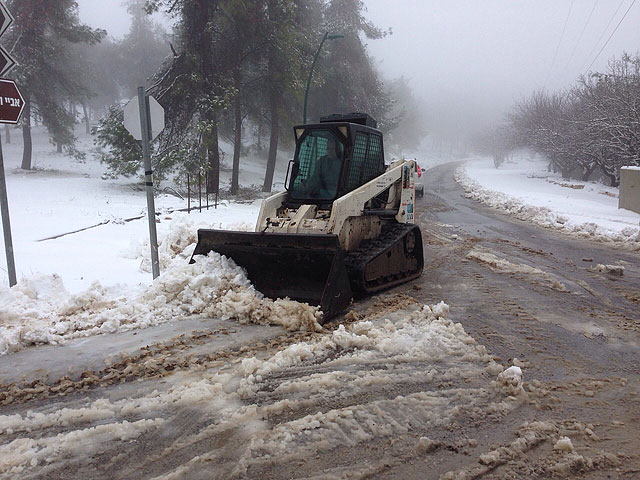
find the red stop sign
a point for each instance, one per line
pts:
(11, 102)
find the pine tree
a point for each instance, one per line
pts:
(290, 24)
(142, 50)
(347, 80)
(239, 59)
(97, 65)
(194, 87)
(42, 33)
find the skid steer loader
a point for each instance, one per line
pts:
(344, 224)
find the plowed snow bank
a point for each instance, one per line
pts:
(182, 233)
(607, 226)
(39, 310)
(502, 265)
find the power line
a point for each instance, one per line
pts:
(580, 37)
(564, 28)
(605, 29)
(610, 36)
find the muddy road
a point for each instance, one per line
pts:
(536, 295)
(391, 390)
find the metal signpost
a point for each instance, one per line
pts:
(6, 224)
(144, 119)
(11, 106)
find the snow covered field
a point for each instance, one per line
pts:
(525, 189)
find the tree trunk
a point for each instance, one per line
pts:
(611, 175)
(237, 141)
(586, 173)
(259, 137)
(7, 134)
(274, 105)
(87, 123)
(213, 155)
(26, 136)
(59, 147)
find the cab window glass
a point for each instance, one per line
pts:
(320, 159)
(357, 161)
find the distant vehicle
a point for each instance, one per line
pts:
(419, 186)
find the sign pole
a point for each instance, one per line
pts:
(145, 125)
(6, 224)
(11, 106)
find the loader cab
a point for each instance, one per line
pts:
(332, 158)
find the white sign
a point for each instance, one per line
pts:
(132, 118)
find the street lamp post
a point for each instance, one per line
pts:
(313, 64)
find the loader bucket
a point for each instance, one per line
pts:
(304, 267)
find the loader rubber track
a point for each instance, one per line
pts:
(395, 257)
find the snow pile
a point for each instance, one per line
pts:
(511, 376)
(425, 333)
(42, 311)
(511, 381)
(615, 270)
(560, 461)
(426, 445)
(188, 395)
(564, 444)
(598, 229)
(182, 233)
(502, 265)
(422, 347)
(16, 455)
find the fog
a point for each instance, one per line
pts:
(469, 60)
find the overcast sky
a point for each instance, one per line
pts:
(470, 59)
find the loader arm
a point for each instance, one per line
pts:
(402, 197)
(269, 209)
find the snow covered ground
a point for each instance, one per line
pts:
(61, 195)
(93, 268)
(525, 189)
